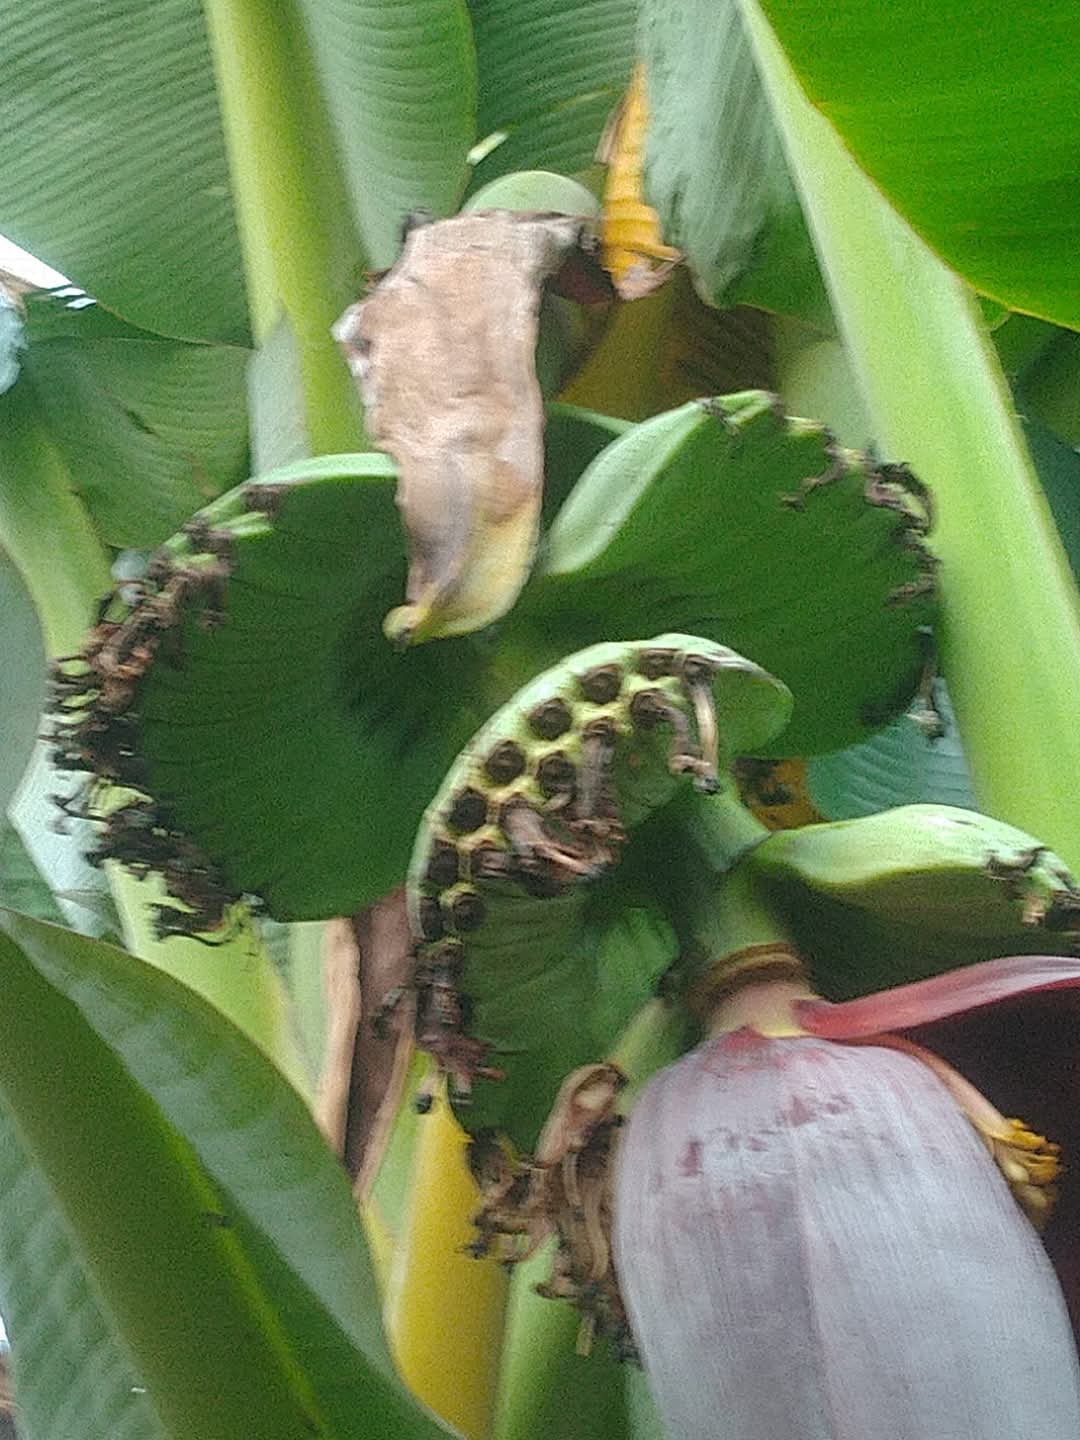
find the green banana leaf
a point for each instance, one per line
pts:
(139, 140)
(201, 1269)
(400, 84)
(966, 118)
(715, 168)
(148, 428)
(549, 75)
(1058, 467)
(1049, 387)
(357, 116)
(22, 885)
(901, 765)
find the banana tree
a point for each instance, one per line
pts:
(521, 693)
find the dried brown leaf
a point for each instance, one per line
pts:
(443, 351)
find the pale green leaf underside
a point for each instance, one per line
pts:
(115, 172)
(150, 429)
(400, 83)
(550, 73)
(22, 677)
(966, 117)
(74, 1377)
(11, 342)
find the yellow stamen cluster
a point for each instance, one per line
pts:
(1029, 1162)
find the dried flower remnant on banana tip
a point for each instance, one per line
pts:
(443, 350)
(96, 728)
(563, 1191)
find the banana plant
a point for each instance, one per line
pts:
(310, 645)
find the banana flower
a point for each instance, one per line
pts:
(819, 1223)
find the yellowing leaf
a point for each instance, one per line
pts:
(630, 234)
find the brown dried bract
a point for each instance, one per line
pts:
(443, 351)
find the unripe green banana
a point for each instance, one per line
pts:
(914, 891)
(540, 190)
(935, 865)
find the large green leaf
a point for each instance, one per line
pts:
(76, 1379)
(400, 82)
(550, 73)
(22, 678)
(936, 397)
(299, 749)
(180, 1252)
(150, 429)
(119, 179)
(715, 169)
(966, 117)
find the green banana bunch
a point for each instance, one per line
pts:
(588, 848)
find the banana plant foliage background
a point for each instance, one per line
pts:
(180, 1252)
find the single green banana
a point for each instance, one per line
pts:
(915, 891)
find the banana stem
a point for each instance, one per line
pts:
(301, 255)
(730, 925)
(445, 1310)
